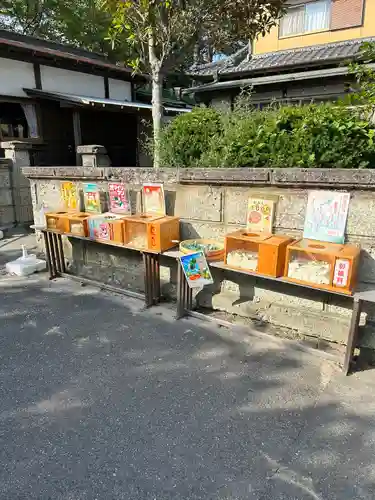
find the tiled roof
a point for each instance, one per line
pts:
(329, 52)
(49, 49)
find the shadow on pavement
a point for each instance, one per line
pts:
(102, 400)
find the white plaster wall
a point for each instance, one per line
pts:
(72, 82)
(14, 76)
(120, 90)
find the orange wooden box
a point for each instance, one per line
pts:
(271, 250)
(341, 262)
(78, 224)
(149, 232)
(117, 230)
(58, 221)
(106, 227)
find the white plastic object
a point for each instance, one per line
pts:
(1, 235)
(25, 265)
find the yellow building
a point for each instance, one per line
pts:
(304, 58)
(307, 23)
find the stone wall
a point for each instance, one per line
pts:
(7, 211)
(15, 196)
(214, 202)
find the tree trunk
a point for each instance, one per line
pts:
(157, 113)
(157, 91)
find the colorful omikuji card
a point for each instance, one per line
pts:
(91, 196)
(69, 196)
(260, 215)
(153, 199)
(326, 215)
(98, 228)
(119, 202)
(196, 269)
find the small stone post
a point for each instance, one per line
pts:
(94, 156)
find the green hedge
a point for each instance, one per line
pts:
(317, 135)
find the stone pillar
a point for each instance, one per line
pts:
(19, 154)
(7, 206)
(94, 156)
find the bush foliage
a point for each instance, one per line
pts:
(316, 135)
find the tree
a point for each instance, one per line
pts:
(364, 75)
(163, 32)
(81, 23)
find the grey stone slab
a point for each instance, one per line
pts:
(225, 176)
(323, 177)
(4, 177)
(199, 203)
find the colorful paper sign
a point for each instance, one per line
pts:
(153, 199)
(98, 228)
(326, 216)
(341, 273)
(260, 215)
(91, 196)
(118, 198)
(196, 269)
(69, 196)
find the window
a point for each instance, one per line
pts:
(313, 16)
(17, 121)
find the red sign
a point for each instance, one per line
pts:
(341, 274)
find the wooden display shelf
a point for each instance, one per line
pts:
(56, 264)
(322, 288)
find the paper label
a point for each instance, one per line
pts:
(341, 274)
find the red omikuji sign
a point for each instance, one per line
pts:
(118, 198)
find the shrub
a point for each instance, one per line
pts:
(317, 135)
(185, 139)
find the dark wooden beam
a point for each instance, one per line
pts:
(37, 76)
(106, 87)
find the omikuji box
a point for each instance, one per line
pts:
(58, 221)
(149, 232)
(325, 265)
(78, 224)
(261, 253)
(107, 227)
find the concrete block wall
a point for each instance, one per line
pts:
(15, 195)
(212, 203)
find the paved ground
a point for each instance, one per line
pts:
(102, 400)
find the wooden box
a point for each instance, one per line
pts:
(58, 221)
(117, 230)
(319, 264)
(106, 227)
(78, 224)
(150, 232)
(261, 253)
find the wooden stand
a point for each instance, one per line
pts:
(56, 266)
